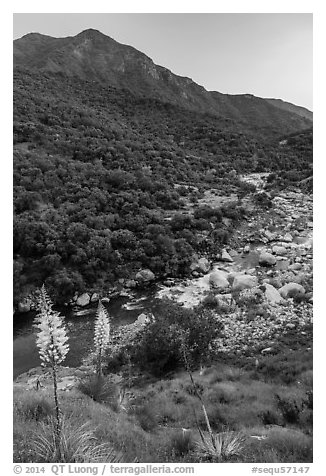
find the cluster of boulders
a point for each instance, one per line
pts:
(273, 266)
(241, 335)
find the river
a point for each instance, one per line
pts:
(80, 327)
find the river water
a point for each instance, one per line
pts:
(80, 326)
(123, 310)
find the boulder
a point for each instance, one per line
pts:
(246, 249)
(266, 259)
(295, 266)
(218, 279)
(269, 235)
(287, 238)
(131, 283)
(272, 294)
(279, 250)
(290, 289)
(202, 265)
(105, 299)
(83, 300)
(224, 299)
(25, 305)
(145, 276)
(251, 271)
(244, 281)
(226, 257)
(95, 297)
(143, 319)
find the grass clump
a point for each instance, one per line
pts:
(34, 407)
(100, 389)
(182, 443)
(77, 445)
(222, 448)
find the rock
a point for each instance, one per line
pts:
(290, 325)
(226, 257)
(131, 283)
(290, 289)
(224, 299)
(105, 299)
(83, 300)
(267, 259)
(168, 283)
(251, 271)
(201, 265)
(288, 238)
(246, 249)
(143, 318)
(218, 279)
(95, 297)
(124, 293)
(244, 281)
(269, 235)
(295, 266)
(25, 305)
(267, 350)
(145, 276)
(272, 294)
(279, 250)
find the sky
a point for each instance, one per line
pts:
(265, 54)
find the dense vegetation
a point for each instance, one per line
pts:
(105, 183)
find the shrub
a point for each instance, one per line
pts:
(158, 348)
(145, 417)
(290, 446)
(269, 417)
(35, 407)
(216, 418)
(77, 445)
(100, 389)
(289, 409)
(308, 402)
(181, 442)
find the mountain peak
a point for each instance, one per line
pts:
(92, 55)
(91, 32)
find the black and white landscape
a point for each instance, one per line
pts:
(163, 245)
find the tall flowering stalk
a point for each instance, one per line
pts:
(52, 344)
(101, 334)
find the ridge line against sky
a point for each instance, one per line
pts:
(267, 55)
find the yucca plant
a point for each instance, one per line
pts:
(220, 447)
(77, 445)
(52, 343)
(101, 334)
(185, 356)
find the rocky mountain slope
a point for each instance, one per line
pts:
(91, 55)
(287, 106)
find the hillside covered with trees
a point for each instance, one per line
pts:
(106, 182)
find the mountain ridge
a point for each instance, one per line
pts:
(92, 55)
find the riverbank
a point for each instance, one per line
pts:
(266, 274)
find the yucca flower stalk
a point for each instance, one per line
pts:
(185, 355)
(101, 334)
(52, 344)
